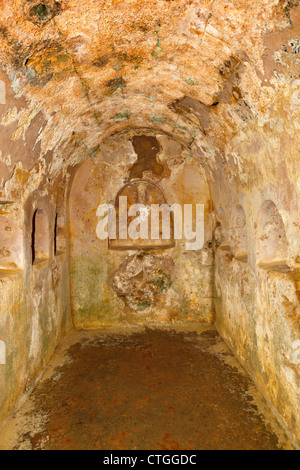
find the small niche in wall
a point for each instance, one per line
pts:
(59, 235)
(146, 194)
(239, 234)
(11, 239)
(272, 244)
(40, 240)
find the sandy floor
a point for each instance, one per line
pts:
(159, 389)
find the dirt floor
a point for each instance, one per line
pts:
(150, 389)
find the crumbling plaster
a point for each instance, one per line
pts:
(219, 78)
(182, 280)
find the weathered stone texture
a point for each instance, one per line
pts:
(215, 87)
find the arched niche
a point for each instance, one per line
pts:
(40, 236)
(272, 244)
(147, 194)
(239, 234)
(39, 228)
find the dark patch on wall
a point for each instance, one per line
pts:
(147, 149)
(134, 58)
(288, 5)
(51, 61)
(41, 13)
(141, 27)
(231, 93)
(4, 32)
(230, 70)
(16, 52)
(114, 84)
(230, 67)
(102, 61)
(295, 46)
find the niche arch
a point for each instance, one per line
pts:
(39, 220)
(239, 234)
(40, 236)
(272, 244)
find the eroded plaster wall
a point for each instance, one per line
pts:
(145, 286)
(34, 281)
(257, 294)
(221, 78)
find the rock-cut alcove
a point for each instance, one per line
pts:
(272, 243)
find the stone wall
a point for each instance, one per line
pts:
(257, 295)
(217, 84)
(138, 287)
(34, 278)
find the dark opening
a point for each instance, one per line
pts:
(55, 235)
(33, 237)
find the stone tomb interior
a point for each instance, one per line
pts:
(145, 344)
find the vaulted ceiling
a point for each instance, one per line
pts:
(197, 69)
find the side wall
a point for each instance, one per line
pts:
(34, 306)
(257, 295)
